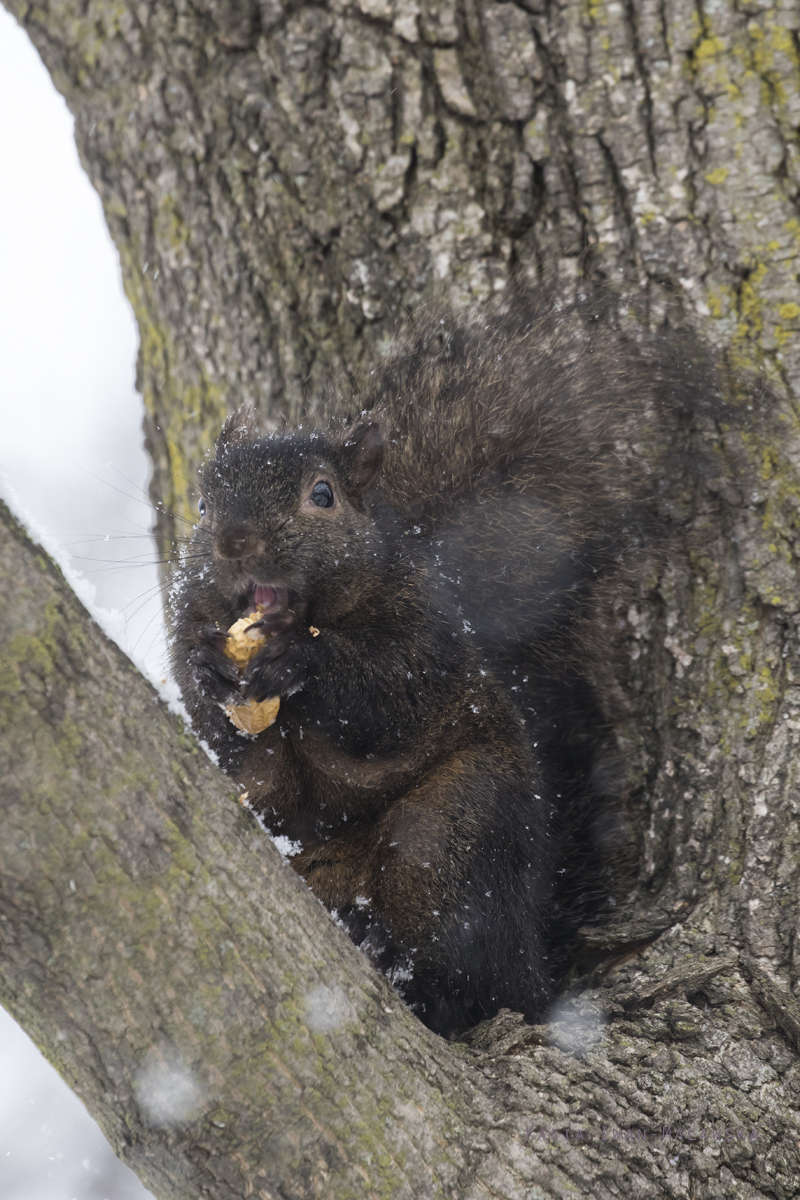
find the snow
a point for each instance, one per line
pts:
(327, 1009)
(575, 1031)
(72, 457)
(168, 1092)
(73, 469)
(50, 1149)
(284, 845)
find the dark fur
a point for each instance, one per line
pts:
(439, 753)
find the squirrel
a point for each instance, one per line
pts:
(430, 572)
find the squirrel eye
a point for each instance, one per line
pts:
(322, 495)
(201, 506)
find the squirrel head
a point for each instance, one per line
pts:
(285, 520)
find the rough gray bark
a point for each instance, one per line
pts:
(198, 999)
(285, 180)
(231, 1042)
(281, 182)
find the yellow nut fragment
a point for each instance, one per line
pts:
(253, 715)
(243, 642)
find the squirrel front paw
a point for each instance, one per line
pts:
(215, 675)
(281, 668)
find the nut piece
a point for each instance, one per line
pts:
(253, 715)
(242, 642)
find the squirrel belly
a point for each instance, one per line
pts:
(426, 572)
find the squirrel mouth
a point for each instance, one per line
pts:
(267, 597)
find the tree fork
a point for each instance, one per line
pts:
(231, 1042)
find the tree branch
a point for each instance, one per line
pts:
(224, 1033)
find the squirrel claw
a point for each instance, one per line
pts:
(215, 674)
(280, 669)
(275, 622)
(210, 635)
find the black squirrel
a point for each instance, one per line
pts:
(431, 570)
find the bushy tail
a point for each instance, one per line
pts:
(561, 400)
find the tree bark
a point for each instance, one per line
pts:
(283, 183)
(231, 1042)
(225, 1034)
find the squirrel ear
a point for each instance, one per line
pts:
(240, 426)
(363, 455)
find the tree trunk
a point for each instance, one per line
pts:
(283, 184)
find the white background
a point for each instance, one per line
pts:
(71, 450)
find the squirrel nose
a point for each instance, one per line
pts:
(236, 543)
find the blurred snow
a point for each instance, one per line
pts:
(72, 451)
(168, 1092)
(327, 1009)
(576, 1029)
